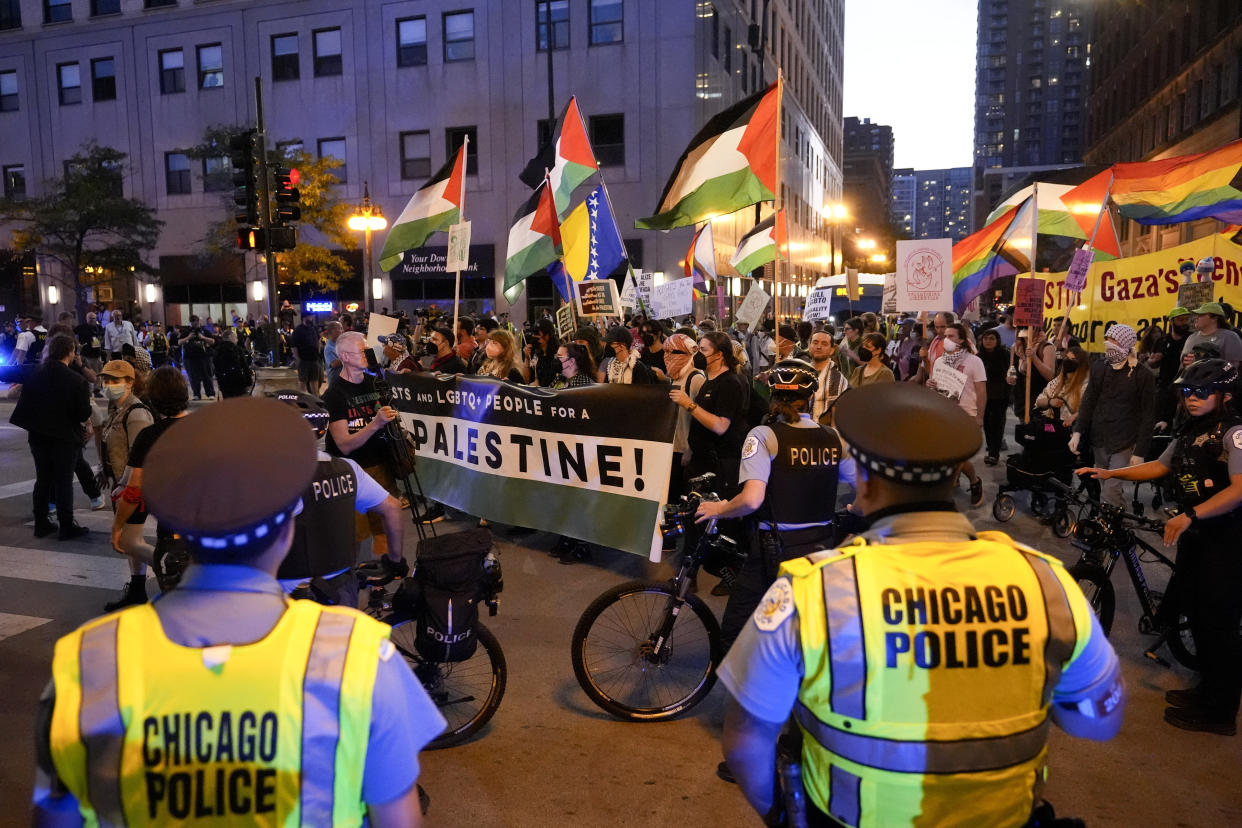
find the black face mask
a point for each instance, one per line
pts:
(1070, 366)
(700, 362)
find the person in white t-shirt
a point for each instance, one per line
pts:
(959, 356)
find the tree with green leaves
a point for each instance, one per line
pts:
(83, 219)
(323, 225)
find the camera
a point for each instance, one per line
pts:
(426, 347)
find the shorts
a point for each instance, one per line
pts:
(369, 524)
(310, 370)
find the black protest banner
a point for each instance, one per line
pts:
(591, 463)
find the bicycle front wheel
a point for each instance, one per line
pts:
(615, 656)
(1096, 586)
(468, 692)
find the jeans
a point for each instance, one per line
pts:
(1111, 490)
(994, 414)
(54, 461)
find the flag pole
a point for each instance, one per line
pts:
(461, 219)
(777, 205)
(1030, 330)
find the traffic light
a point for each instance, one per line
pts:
(282, 238)
(288, 199)
(251, 238)
(245, 178)
(257, 238)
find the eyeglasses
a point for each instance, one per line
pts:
(1198, 393)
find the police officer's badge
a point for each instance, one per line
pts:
(752, 445)
(776, 606)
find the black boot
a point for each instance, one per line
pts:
(135, 593)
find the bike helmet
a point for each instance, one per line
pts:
(309, 406)
(793, 377)
(1208, 373)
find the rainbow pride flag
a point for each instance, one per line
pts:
(977, 261)
(1183, 188)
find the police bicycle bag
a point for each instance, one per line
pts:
(442, 596)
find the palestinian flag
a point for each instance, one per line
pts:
(567, 160)
(435, 206)
(534, 240)
(729, 165)
(765, 241)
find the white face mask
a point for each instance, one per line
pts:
(115, 392)
(1115, 354)
(949, 346)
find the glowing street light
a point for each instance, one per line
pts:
(369, 218)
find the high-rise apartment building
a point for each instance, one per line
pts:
(1164, 82)
(901, 214)
(1030, 88)
(932, 204)
(391, 89)
(868, 170)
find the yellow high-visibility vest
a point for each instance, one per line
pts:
(273, 733)
(929, 669)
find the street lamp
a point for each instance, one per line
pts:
(370, 217)
(835, 215)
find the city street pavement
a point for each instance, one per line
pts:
(550, 757)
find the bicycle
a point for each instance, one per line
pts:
(1109, 535)
(635, 652)
(467, 693)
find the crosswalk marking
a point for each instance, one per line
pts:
(24, 487)
(98, 571)
(12, 624)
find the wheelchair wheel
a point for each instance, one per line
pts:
(1003, 507)
(1040, 504)
(1062, 522)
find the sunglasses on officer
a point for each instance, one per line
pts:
(1198, 393)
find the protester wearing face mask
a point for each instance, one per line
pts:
(1062, 398)
(1118, 409)
(622, 365)
(680, 352)
(1043, 365)
(959, 355)
(652, 335)
(717, 412)
(501, 357)
(577, 367)
(874, 367)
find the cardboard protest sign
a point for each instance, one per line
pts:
(597, 297)
(577, 463)
(1028, 303)
(817, 304)
(948, 382)
(1195, 294)
(458, 258)
(851, 282)
(379, 325)
(924, 275)
(1076, 278)
(644, 281)
(751, 309)
(675, 298)
(564, 321)
(890, 294)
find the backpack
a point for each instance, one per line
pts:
(442, 595)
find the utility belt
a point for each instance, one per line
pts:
(779, 545)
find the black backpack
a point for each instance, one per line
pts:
(442, 596)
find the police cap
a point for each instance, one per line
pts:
(231, 474)
(906, 433)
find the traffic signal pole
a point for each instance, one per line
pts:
(265, 218)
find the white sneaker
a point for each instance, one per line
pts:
(97, 503)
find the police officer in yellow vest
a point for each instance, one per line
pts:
(924, 661)
(223, 702)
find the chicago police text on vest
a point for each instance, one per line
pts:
(205, 764)
(958, 639)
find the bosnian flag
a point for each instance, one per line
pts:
(534, 241)
(701, 259)
(729, 165)
(765, 241)
(435, 206)
(567, 159)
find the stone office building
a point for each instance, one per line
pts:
(391, 88)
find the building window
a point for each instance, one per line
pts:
(217, 174)
(335, 148)
(101, 7)
(177, 173)
(103, 79)
(285, 57)
(210, 66)
(172, 71)
(15, 182)
(715, 38)
(57, 11)
(608, 139)
(69, 79)
(458, 36)
(454, 136)
(416, 155)
(10, 14)
(412, 41)
(728, 50)
(8, 92)
(607, 22)
(289, 149)
(327, 52)
(559, 9)
(155, 4)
